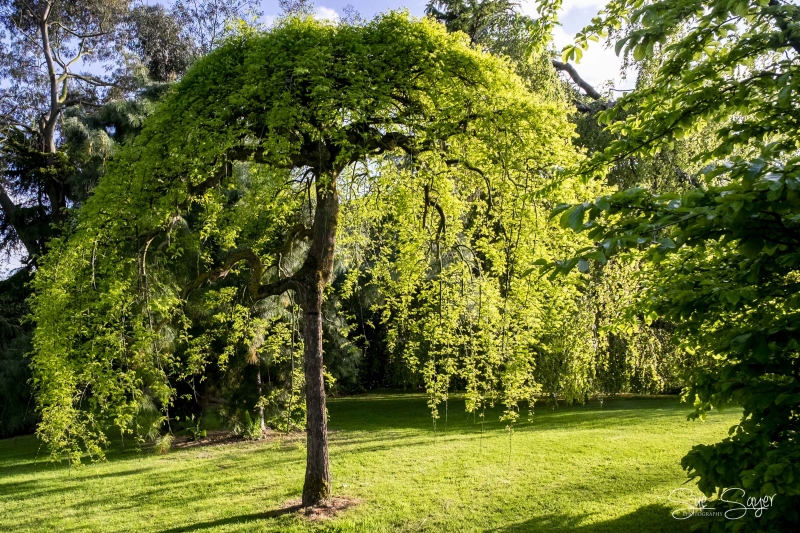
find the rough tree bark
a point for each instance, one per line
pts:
(317, 486)
(313, 277)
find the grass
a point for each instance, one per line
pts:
(580, 469)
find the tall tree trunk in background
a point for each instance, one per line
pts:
(260, 404)
(58, 92)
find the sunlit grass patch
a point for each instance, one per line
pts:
(578, 468)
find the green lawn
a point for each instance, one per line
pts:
(581, 468)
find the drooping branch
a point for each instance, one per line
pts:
(478, 171)
(296, 232)
(6, 203)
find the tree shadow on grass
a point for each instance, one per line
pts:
(21, 489)
(238, 519)
(648, 519)
(652, 518)
(410, 412)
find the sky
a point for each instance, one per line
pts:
(599, 66)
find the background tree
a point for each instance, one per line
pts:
(64, 55)
(162, 43)
(48, 42)
(78, 82)
(628, 355)
(498, 26)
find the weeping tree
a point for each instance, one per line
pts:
(300, 113)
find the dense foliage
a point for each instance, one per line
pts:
(727, 250)
(78, 79)
(17, 406)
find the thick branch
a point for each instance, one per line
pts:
(237, 154)
(257, 270)
(371, 140)
(7, 204)
(591, 92)
(583, 84)
(296, 232)
(278, 287)
(10, 210)
(52, 116)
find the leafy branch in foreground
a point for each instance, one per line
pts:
(727, 251)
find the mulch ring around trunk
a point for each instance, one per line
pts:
(326, 510)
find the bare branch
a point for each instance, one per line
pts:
(591, 92)
(81, 36)
(91, 80)
(79, 101)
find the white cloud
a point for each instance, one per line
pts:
(570, 5)
(528, 7)
(326, 13)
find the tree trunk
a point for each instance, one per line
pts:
(317, 485)
(313, 277)
(260, 403)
